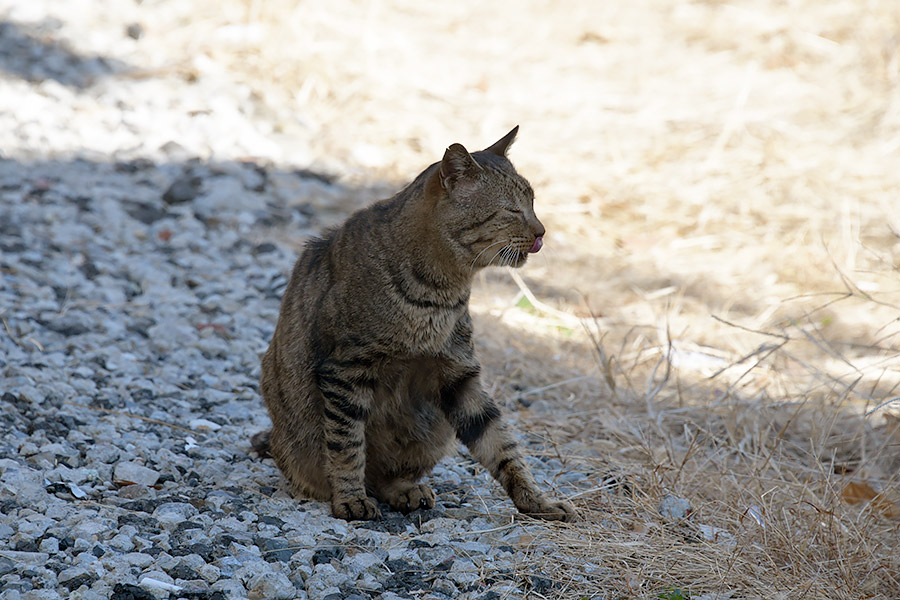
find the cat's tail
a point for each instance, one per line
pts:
(260, 443)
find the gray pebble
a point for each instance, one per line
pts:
(464, 572)
(135, 31)
(137, 559)
(135, 473)
(210, 573)
(362, 561)
(445, 586)
(123, 540)
(67, 325)
(74, 577)
(6, 566)
(170, 514)
(158, 576)
(41, 594)
(232, 588)
(133, 492)
(272, 585)
(391, 596)
(25, 558)
(674, 508)
(324, 579)
(50, 545)
(184, 189)
(192, 561)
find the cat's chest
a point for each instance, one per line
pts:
(423, 313)
(428, 331)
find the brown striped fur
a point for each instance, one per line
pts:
(371, 375)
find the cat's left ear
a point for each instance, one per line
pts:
(501, 146)
(457, 166)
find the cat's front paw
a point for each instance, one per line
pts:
(355, 508)
(555, 510)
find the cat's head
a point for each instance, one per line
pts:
(486, 207)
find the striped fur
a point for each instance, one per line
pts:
(371, 375)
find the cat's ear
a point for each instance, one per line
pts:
(501, 146)
(456, 166)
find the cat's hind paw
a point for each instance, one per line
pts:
(361, 508)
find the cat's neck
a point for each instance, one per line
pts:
(429, 252)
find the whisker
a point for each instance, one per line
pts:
(504, 257)
(472, 266)
(495, 255)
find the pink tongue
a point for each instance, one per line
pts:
(538, 243)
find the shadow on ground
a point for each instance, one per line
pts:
(30, 51)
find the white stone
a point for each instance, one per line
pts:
(158, 576)
(204, 424)
(155, 584)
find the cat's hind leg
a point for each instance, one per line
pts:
(295, 457)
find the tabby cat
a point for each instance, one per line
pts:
(371, 375)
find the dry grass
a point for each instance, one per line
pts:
(720, 284)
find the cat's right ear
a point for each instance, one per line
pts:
(457, 166)
(501, 146)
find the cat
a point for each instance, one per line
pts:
(371, 375)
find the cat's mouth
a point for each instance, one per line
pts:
(538, 244)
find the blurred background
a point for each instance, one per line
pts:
(719, 183)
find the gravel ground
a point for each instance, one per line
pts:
(141, 267)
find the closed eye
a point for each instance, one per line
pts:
(514, 211)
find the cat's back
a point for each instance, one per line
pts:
(339, 255)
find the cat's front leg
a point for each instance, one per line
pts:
(476, 418)
(346, 408)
